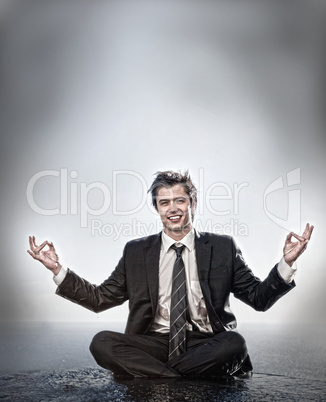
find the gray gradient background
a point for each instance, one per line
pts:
(234, 91)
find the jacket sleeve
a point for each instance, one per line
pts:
(112, 292)
(261, 295)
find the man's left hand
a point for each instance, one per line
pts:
(293, 249)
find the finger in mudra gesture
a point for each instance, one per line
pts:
(293, 249)
(47, 257)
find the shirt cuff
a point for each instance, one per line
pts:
(286, 272)
(58, 279)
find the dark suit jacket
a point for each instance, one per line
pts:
(221, 270)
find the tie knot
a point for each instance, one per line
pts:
(178, 250)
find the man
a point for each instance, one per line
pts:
(178, 284)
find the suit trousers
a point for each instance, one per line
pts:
(207, 355)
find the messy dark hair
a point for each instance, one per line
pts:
(169, 179)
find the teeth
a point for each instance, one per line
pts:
(174, 217)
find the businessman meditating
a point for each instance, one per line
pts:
(177, 283)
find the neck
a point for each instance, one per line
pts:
(177, 235)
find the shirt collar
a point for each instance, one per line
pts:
(188, 241)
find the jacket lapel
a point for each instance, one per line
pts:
(203, 256)
(152, 261)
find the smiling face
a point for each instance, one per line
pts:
(174, 206)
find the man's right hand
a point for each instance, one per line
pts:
(48, 258)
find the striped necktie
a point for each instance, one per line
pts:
(179, 306)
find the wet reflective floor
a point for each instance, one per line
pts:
(92, 384)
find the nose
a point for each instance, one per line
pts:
(173, 206)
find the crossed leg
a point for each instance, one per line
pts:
(147, 355)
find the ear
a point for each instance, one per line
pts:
(193, 208)
(155, 207)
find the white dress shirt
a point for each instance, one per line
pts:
(196, 302)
